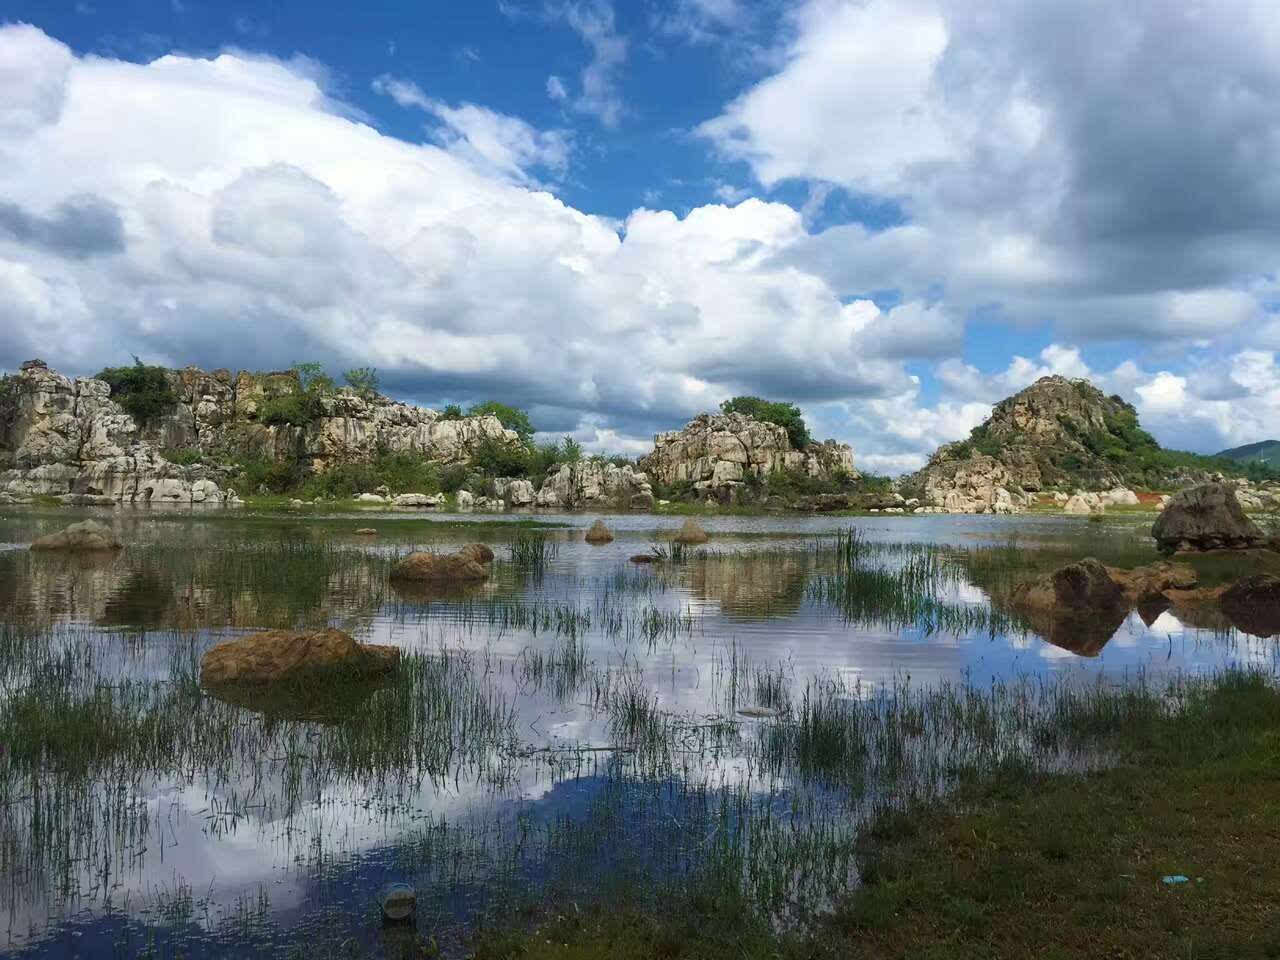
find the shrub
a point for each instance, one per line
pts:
(785, 415)
(571, 449)
(142, 391)
(277, 477)
(8, 402)
(509, 417)
(184, 457)
(303, 406)
(495, 458)
(451, 412)
(363, 380)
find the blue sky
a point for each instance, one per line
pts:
(892, 211)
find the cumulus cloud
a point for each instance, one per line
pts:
(1110, 169)
(594, 22)
(265, 224)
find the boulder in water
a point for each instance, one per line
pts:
(599, 533)
(691, 532)
(1077, 607)
(85, 536)
(1207, 517)
(468, 564)
(1253, 604)
(285, 656)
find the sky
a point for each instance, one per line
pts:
(616, 215)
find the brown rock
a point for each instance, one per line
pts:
(280, 656)
(599, 533)
(87, 536)
(642, 558)
(468, 564)
(1207, 517)
(1154, 579)
(691, 532)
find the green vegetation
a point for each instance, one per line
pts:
(184, 457)
(510, 417)
(1265, 451)
(363, 380)
(786, 415)
(452, 412)
(142, 391)
(303, 405)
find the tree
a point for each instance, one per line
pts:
(572, 449)
(509, 417)
(363, 380)
(451, 412)
(144, 392)
(785, 415)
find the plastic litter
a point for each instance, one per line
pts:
(1175, 878)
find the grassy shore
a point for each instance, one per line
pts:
(1018, 865)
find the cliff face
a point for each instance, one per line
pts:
(719, 452)
(68, 438)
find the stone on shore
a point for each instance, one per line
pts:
(1207, 517)
(468, 564)
(599, 533)
(283, 656)
(85, 536)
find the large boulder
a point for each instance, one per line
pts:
(691, 532)
(288, 656)
(1207, 517)
(85, 536)
(469, 564)
(599, 533)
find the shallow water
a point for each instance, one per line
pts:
(550, 785)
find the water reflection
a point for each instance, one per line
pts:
(562, 719)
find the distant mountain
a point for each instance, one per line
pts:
(1063, 433)
(1264, 451)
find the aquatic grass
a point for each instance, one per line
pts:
(532, 549)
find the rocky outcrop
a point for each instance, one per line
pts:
(717, 453)
(290, 656)
(471, 563)
(68, 439)
(979, 484)
(691, 532)
(1207, 517)
(83, 537)
(1078, 607)
(587, 482)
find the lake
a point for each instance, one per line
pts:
(578, 727)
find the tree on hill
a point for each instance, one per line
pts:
(143, 392)
(785, 415)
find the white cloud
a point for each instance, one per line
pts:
(33, 76)
(499, 144)
(260, 223)
(556, 89)
(594, 21)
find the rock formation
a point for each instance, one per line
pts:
(1056, 433)
(85, 536)
(1207, 517)
(471, 563)
(284, 656)
(68, 438)
(595, 481)
(717, 453)
(691, 532)
(599, 533)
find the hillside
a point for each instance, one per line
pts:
(1264, 451)
(1059, 434)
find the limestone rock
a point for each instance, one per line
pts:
(1081, 505)
(599, 533)
(283, 656)
(718, 452)
(370, 498)
(468, 564)
(85, 536)
(1253, 604)
(1207, 517)
(465, 499)
(592, 481)
(420, 500)
(1077, 607)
